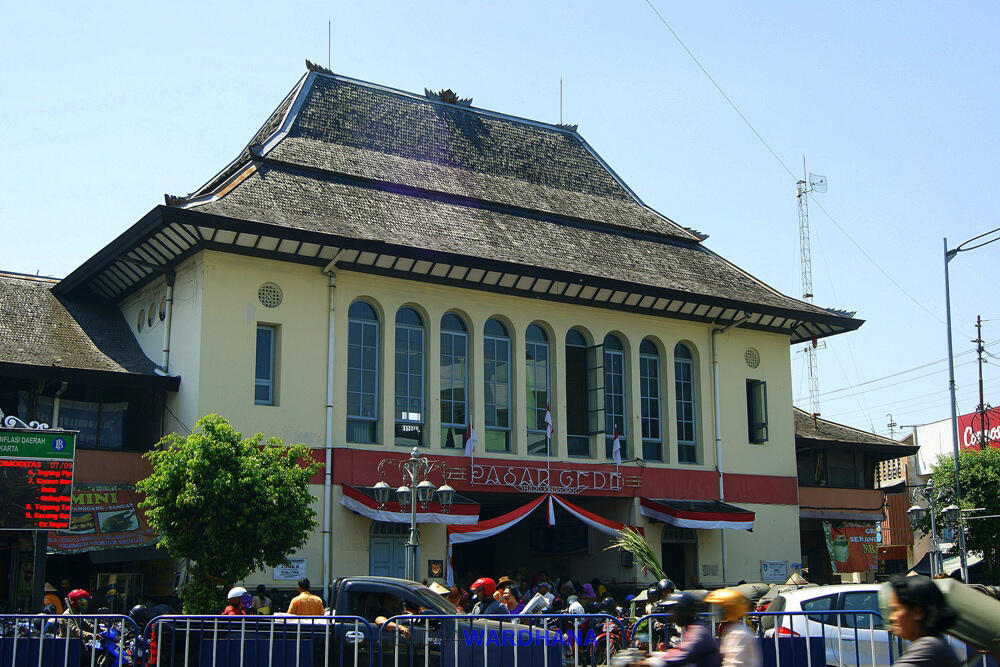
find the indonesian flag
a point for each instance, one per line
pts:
(548, 421)
(616, 448)
(470, 439)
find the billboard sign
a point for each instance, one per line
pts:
(36, 478)
(852, 545)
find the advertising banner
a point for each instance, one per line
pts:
(852, 545)
(105, 516)
(971, 433)
(36, 476)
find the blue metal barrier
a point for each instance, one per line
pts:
(74, 640)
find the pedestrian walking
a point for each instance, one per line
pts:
(738, 646)
(305, 603)
(919, 614)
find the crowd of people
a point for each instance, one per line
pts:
(518, 595)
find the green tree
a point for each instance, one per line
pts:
(979, 474)
(230, 505)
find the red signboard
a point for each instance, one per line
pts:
(971, 434)
(105, 516)
(853, 545)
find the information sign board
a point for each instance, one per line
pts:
(36, 479)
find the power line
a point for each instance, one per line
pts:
(781, 162)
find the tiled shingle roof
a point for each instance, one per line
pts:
(808, 428)
(39, 329)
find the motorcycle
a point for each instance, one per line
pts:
(114, 647)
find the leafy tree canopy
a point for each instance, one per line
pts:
(979, 475)
(230, 504)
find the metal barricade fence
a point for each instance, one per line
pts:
(535, 640)
(70, 640)
(261, 641)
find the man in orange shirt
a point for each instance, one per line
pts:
(305, 603)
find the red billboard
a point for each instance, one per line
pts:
(972, 435)
(105, 516)
(853, 545)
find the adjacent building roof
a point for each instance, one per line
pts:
(50, 337)
(389, 182)
(815, 432)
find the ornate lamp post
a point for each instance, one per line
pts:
(416, 488)
(952, 514)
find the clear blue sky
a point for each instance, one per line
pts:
(106, 106)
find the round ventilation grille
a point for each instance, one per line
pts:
(752, 357)
(269, 295)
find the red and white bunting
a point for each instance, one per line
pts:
(458, 514)
(598, 523)
(733, 518)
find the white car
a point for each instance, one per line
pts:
(853, 639)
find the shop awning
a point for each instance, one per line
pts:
(701, 514)
(463, 511)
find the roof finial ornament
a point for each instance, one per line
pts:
(448, 96)
(315, 67)
(174, 200)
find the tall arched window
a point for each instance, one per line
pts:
(362, 372)
(536, 369)
(409, 404)
(687, 433)
(649, 398)
(454, 379)
(577, 405)
(614, 394)
(496, 381)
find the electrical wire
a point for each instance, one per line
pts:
(784, 166)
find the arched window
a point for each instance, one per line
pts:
(409, 406)
(649, 398)
(687, 438)
(496, 380)
(536, 369)
(578, 427)
(454, 379)
(362, 372)
(614, 394)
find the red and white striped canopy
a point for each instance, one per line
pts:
(460, 513)
(701, 514)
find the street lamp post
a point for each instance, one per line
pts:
(948, 256)
(952, 515)
(415, 471)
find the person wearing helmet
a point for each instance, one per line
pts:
(609, 606)
(482, 590)
(77, 603)
(140, 614)
(739, 647)
(235, 600)
(697, 646)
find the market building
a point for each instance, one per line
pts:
(73, 363)
(379, 270)
(841, 504)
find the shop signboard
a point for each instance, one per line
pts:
(105, 516)
(852, 545)
(293, 571)
(773, 570)
(971, 433)
(535, 479)
(36, 478)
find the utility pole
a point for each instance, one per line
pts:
(982, 408)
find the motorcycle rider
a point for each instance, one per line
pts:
(697, 646)
(235, 600)
(482, 590)
(77, 602)
(739, 647)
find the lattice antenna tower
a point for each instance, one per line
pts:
(809, 183)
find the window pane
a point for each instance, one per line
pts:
(264, 366)
(362, 372)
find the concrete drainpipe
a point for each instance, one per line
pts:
(717, 409)
(328, 467)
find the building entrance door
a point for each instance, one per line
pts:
(387, 552)
(679, 555)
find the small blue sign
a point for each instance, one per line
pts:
(58, 444)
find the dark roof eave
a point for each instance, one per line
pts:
(164, 215)
(90, 376)
(891, 451)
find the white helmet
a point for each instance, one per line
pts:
(236, 592)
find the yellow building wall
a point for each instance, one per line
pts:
(213, 340)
